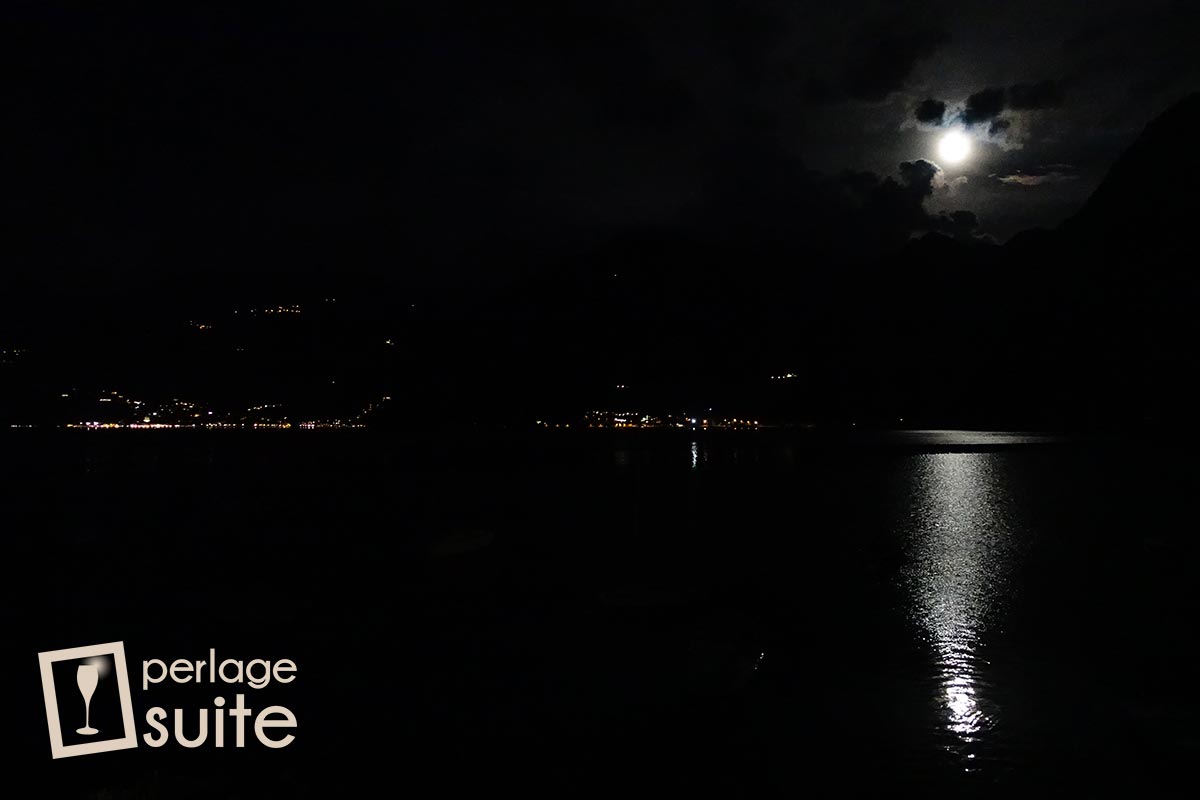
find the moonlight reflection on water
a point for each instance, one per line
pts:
(960, 553)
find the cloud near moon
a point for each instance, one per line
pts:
(1037, 176)
(930, 111)
(996, 112)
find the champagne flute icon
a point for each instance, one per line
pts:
(86, 677)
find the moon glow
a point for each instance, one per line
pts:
(954, 147)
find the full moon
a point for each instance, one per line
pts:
(954, 147)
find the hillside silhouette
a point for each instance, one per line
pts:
(1086, 325)
(815, 277)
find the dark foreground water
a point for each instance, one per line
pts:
(750, 615)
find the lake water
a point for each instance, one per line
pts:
(755, 614)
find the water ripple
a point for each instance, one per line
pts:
(960, 539)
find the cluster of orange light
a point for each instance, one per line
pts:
(333, 424)
(613, 419)
(357, 421)
(293, 309)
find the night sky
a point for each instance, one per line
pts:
(840, 264)
(451, 142)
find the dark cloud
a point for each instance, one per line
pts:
(852, 213)
(930, 111)
(818, 92)
(986, 106)
(889, 210)
(473, 122)
(918, 176)
(1046, 94)
(963, 219)
(920, 179)
(983, 106)
(1152, 84)
(884, 55)
(961, 225)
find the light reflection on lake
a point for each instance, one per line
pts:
(961, 551)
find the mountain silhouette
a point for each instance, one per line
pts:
(1117, 281)
(1089, 324)
(1150, 195)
